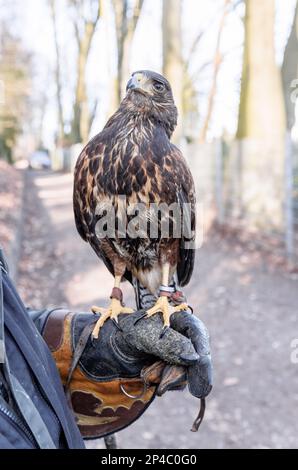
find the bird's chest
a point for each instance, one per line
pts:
(142, 172)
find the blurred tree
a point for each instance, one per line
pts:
(38, 102)
(262, 121)
(15, 66)
(126, 15)
(61, 131)
(261, 112)
(290, 71)
(85, 17)
(217, 61)
(173, 64)
(190, 111)
(177, 70)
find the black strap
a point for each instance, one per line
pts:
(198, 421)
(80, 347)
(26, 406)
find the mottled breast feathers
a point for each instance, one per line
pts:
(135, 158)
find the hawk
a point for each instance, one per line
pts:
(133, 162)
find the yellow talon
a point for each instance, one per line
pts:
(115, 309)
(162, 305)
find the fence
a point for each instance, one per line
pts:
(248, 184)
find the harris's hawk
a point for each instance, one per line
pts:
(133, 162)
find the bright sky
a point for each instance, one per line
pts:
(31, 19)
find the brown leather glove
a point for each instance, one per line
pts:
(111, 381)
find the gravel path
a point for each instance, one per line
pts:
(248, 303)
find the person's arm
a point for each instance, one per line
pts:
(119, 374)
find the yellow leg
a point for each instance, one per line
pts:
(162, 305)
(112, 312)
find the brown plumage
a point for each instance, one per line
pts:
(133, 157)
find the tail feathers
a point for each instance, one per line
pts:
(144, 299)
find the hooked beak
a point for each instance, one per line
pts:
(136, 82)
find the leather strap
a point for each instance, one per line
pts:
(165, 294)
(198, 421)
(77, 354)
(117, 294)
(53, 328)
(178, 297)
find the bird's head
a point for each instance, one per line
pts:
(151, 94)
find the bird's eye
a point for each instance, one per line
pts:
(158, 86)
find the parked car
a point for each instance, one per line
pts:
(40, 160)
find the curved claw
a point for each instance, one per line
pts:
(115, 309)
(144, 315)
(164, 331)
(115, 321)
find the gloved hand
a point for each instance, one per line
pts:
(185, 344)
(181, 367)
(113, 379)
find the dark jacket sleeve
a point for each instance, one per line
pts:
(32, 363)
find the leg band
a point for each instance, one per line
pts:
(117, 294)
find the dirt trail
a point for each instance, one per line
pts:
(249, 307)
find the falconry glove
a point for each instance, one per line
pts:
(111, 381)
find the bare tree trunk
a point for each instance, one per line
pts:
(42, 112)
(58, 73)
(16, 74)
(173, 67)
(262, 122)
(125, 30)
(262, 113)
(81, 120)
(81, 115)
(120, 12)
(127, 44)
(217, 61)
(290, 71)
